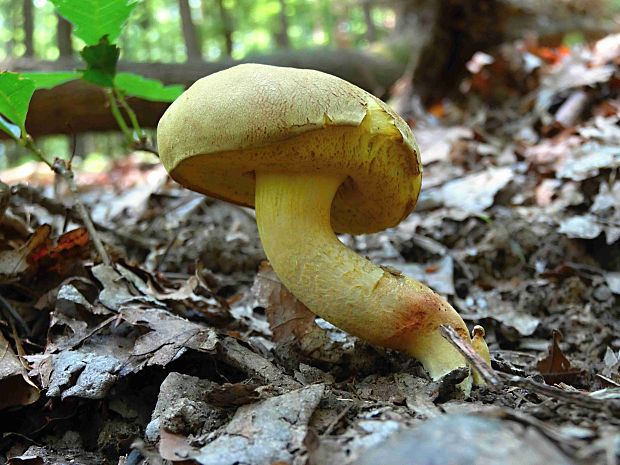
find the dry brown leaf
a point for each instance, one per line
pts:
(14, 262)
(232, 394)
(15, 386)
(174, 447)
(555, 367)
(287, 316)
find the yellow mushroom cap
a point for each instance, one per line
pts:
(251, 117)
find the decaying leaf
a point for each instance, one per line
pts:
(182, 409)
(264, 432)
(288, 317)
(491, 305)
(44, 254)
(86, 355)
(232, 395)
(37, 455)
(555, 367)
(436, 142)
(475, 193)
(175, 447)
(15, 386)
(68, 246)
(14, 262)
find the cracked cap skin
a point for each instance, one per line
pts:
(252, 117)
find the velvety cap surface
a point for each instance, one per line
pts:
(252, 117)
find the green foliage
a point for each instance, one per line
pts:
(101, 61)
(94, 19)
(52, 79)
(135, 85)
(15, 95)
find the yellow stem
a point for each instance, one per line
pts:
(386, 309)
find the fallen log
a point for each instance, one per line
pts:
(77, 106)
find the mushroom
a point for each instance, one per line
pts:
(480, 346)
(315, 154)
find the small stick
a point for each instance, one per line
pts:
(573, 397)
(58, 208)
(467, 351)
(336, 420)
(569, 112)
(62, 168)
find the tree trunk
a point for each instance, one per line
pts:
(227, 28)
(28, 28)
(461, 29)
(328, 22)
(282, 34)
(145, 25)
(371, 30)
(193, 46)
(63, 37)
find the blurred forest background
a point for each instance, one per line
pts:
(373, 43)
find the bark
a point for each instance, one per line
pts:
(227, 27)
(10, 15)
(28, 28)
(193, 46)
(77, 107)
(146, 24)
(63, 37)
(282, 34)
(371, 30)
(462, 28)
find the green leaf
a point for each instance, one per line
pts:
(101, 60)
(94, 19)
(135, 85)
(15, 95)
(52, 79)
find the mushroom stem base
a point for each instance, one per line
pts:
(378, 305)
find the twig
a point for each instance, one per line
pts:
(28, 143)
(61, 167)
(336, 420)
(472, 357)
(8, 308)
(58, 208)
(144, 146)
(569, 112)
(32, 195)
(573, 397)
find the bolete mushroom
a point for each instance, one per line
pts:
(315, 154)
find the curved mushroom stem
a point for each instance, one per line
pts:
(382, 307)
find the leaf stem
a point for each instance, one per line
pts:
(27, 142)
(116, 112)
(131, 114)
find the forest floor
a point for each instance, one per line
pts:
(180, 350)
